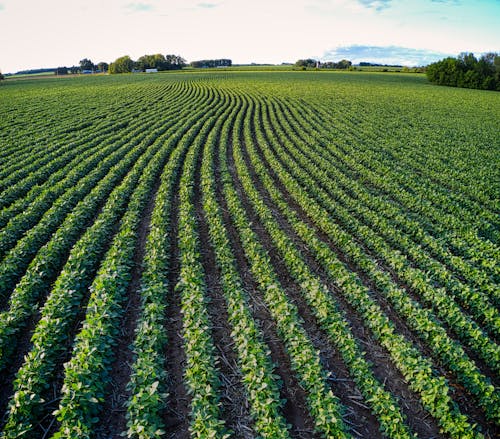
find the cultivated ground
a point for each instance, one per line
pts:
(250, 254)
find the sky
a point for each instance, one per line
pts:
(52, 33)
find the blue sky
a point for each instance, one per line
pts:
(52, 33)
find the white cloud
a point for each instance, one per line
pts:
(60, 32)
(378, 5)
(139, 7)
(384, 55)
(207, 5)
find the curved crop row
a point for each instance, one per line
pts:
(53, 173)
(147, 381)
(384, 406)
(386, 211)
(262, 390)
(61, 308)
(63, 304)
(323, 405)
(85, 381)
(463, 243)
(417, 369)
(51, 256)
(201, 374)
(444, 306)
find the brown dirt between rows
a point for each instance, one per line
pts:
(176, 412)
(295, 408)
(24, 345)
(112, 421)
(359, 417)
(459, 394)
(48, 424)
(235, 408)
(401, 283)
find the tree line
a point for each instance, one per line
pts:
(313, 63)
(467, 71)
(157, 61)
(211, 63)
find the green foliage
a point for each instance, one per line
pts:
(211, 63)
(467, 71)
(375, 192)
(123, 64)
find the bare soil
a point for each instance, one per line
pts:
(417, 414)
(295, 408)
(113, 421)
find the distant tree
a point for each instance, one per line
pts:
(175, 62)
(74, 70)
(309, 62)
(211, 63)
(61, 71)
(86, 64)
(123, 64)
(103, 66)
(1, 76)
(467, 71)
(343, 65)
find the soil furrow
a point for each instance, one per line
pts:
(358, 416)
(402, 391)
(295, 408)
(113, 420)
(176, 413)
(235, 407)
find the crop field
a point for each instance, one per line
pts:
(249, 255)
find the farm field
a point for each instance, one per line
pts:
(249, 254)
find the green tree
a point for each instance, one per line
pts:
(306, 63)
(467, 71)
(103, 66)
(86, 64)
(123, 64)
(61, 71)
(1, 76)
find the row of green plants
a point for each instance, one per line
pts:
(20, 166)
(63, 161)
(324, 406)
(42, 176)
(16, 261)
(344, 209)
(62, 195)
(49, 260)
(386, 211)
(85, 385)
(421, 167)
(86, 374)
(262, 386)
(50, 340)
(367, 167)
(20, 156)
(148, 380)
(201, 374)
(51, 257)
(448, 351)
(320, 300)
